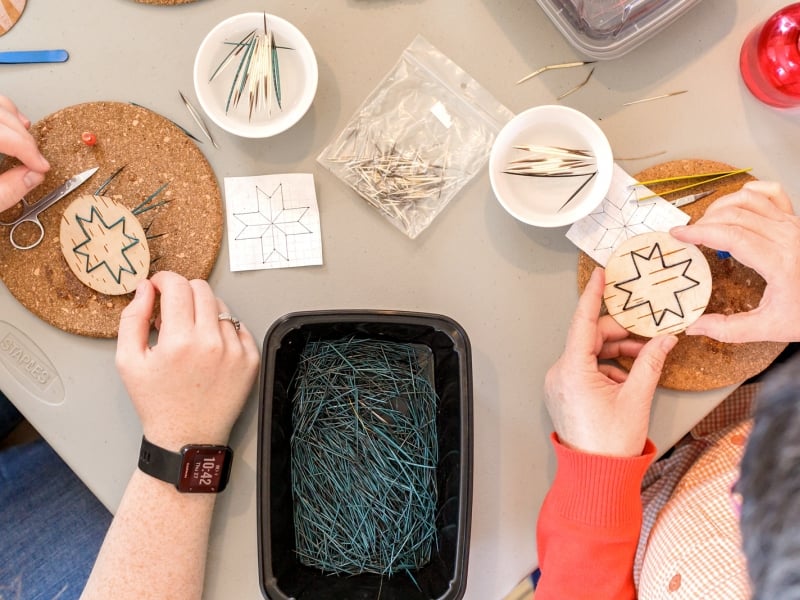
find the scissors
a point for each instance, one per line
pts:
(30, 212)
(684, 200)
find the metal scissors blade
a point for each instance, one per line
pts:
(30, 212)
(684, 200)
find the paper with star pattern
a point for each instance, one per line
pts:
(272, 221)
(621, 216)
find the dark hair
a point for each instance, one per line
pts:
(770, 487)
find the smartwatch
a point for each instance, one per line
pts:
(197, 468)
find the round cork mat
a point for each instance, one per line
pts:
(184, 233)
(699, 363)
(10, 12)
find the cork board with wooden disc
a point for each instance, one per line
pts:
(10, 12)
(183, 226)
(699, 363)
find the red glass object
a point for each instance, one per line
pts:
(770, 59)
(88, 138)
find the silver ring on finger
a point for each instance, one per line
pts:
(229, 317)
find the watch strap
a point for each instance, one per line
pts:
(159, 462)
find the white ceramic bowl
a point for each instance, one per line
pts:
(536, 200)
(298, 76)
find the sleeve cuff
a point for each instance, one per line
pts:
(600, 491)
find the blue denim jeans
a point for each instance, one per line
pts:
(51, 525)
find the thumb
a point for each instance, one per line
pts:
(646, 370)
(134, 324)
(735, 328)
(15, 183)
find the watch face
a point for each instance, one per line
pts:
(205, 468)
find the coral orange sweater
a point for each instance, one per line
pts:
(589, 526)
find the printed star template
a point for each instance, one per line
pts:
(272, 223)
(625, 221)
(653, 270)
(102, 247)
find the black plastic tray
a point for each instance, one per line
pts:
(282, 576)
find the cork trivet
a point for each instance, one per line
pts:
(10, 12)
(104, 245)
(656, 285)
(697, 362)
(153, 151)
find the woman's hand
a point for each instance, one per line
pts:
(595, 407)
(15, 140)
(190, 387)
(757, 225)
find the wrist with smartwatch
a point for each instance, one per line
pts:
(196, 468)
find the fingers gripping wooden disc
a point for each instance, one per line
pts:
(104, 245)
(656, 284)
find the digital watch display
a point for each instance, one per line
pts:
(197, 468)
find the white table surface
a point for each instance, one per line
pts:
(512, 287)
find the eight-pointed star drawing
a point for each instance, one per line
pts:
(651, 270)
(624, 221)
(272, 223)
(104, 246)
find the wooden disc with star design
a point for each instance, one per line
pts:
(656, 285)
(104, 245)
(697, 362)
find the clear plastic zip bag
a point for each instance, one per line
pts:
(421, 134)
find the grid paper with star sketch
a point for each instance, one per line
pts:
(272, 221)
(621, 216)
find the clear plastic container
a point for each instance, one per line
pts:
(605, 29)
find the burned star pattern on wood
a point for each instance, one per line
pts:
(104, 245)
(657, 285)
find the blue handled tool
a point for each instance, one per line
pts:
(17, 57)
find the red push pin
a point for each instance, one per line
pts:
(88, 138)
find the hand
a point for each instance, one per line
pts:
(16, 141)
(191, 386)
(599, 408)
(757, 225)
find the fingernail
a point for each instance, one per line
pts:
(669, 343)
(678, 229)
(32, 179)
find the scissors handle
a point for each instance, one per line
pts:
(36, 222)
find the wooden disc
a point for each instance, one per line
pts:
(656, 285)
(104, 245)
(699, 363)
(10, 12)
(185, 232)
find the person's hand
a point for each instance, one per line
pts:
(757, 225)
(595, 407)
(190, 387)
(16, 141)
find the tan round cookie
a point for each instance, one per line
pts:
(699, 363)
(656, 285)
(185, 233)
(104, 245)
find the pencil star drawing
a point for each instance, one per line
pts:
(652, 270)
